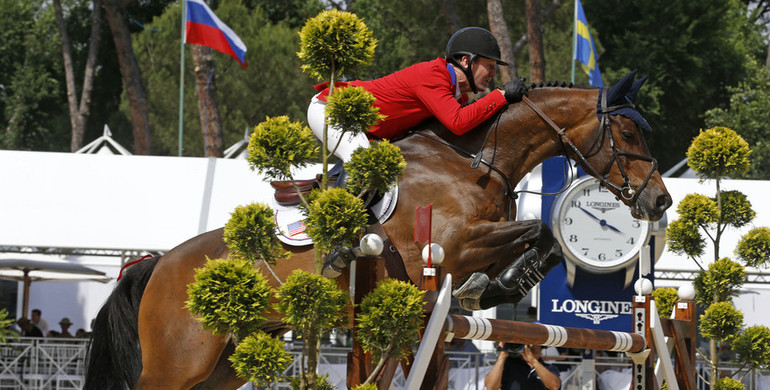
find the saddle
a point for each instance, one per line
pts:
(286, 195)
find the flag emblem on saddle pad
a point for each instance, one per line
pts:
(296, 228)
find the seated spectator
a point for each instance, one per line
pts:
(28, 329)
(81, 333)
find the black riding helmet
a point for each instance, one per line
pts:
(472, 42)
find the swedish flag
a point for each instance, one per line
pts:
(584, 48)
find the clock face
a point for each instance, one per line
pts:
(595, 230)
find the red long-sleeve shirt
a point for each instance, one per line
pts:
(411, 95)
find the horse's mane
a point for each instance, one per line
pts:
(556, 84)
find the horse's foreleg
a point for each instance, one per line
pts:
(536, 252)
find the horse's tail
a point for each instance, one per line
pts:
(114, 356)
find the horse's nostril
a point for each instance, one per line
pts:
(663, 201)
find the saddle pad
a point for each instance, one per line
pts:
(292, 229)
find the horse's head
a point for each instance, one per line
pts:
(618, 155)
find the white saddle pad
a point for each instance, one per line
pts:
(291, 221)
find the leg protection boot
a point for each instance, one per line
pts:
(473, 287)
(336, 261)
(523, 274)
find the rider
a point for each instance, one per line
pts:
(436, 88)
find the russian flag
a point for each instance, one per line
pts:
(205, 28)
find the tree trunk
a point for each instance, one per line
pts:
(519, 45)
(79, 112)
(767, 59)
(535, 38)
(116, 16)
(450, 12)
(500, 31)
(206, 89)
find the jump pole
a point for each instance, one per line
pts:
(476, 328)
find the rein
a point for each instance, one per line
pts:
(626, 191)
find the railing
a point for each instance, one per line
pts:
(42, 364)
(58, 364)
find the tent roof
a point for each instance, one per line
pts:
(110, 204)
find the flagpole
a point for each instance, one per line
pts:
(574, 41)
(181, 76)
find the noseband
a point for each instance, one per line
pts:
(625, 190)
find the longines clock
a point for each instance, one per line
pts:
(597, 231)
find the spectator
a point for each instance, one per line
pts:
(39, 321)
(81, 333)
(515, 370)
(28, 329)
(65, 324)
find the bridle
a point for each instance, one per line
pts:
(625, 190)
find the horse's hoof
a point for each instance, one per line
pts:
(470, 304)
(473, 287)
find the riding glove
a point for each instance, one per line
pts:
(514, 90)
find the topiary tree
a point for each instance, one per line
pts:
(335, 43)
(391, 315)
(665, 298)
(312, 305)
(716, 154)
(5, 327)
(260, 358)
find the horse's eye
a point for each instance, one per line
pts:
(626, 134)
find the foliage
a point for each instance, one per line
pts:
(366, 386)
(754, 247)
(335, 217)
(250, 234)
(375, 168)
(698, 210)
(721, 321)
(229, 296)
(679, 57)
(718, 152)
(665, 298)
(5, 325)
(311, 305)
(322, 383)
(277, 145)
(747, 113)
(721, 282)
(736, 209)
(683, 237)
(729, 384)
(352, 109)
(310, 302)
(753, 345)
(335, 42)
(389, 320)
(260, 358)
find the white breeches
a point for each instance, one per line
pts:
(315, 119)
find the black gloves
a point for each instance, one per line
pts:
(514, 90)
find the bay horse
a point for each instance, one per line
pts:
(144, 338)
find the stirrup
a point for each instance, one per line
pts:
(337, 261)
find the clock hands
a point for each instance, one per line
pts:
(601, 221)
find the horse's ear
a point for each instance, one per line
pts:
(620, 89)
(635, 88)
